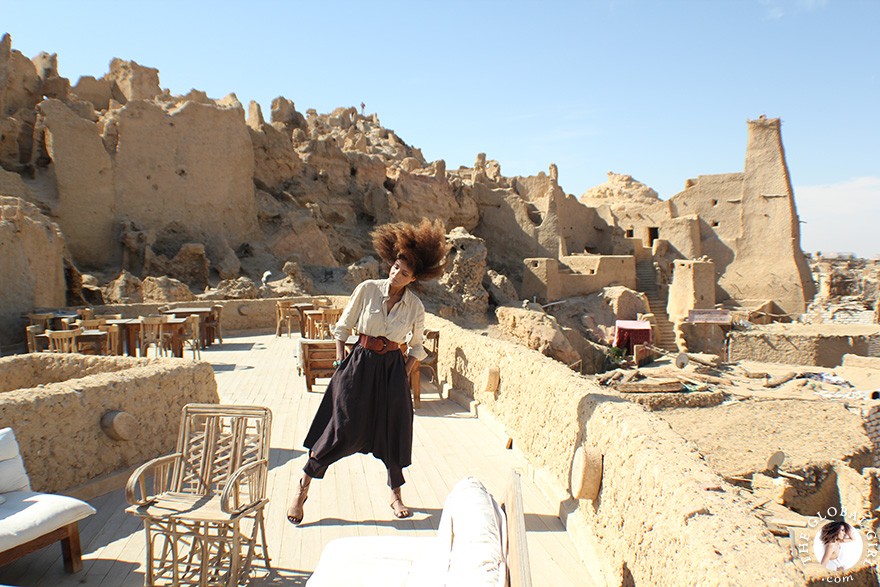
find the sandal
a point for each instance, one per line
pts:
(400, 511)
(295, 511)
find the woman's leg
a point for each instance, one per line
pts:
(395, 480)
(295, 511)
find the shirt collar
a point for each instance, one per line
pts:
(386, 285)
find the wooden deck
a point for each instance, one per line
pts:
(353, 499)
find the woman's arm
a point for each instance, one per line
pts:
(416, 351)
(827, 556)
(348, 319)
(340, 349)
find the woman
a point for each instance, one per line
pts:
(367, 407)
(834, 534)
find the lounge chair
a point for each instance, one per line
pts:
(30, 520)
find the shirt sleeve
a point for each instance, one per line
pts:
(416, 344)
(350, 315)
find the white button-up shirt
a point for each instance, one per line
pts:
(366, 312)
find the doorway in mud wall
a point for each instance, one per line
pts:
(653, 234)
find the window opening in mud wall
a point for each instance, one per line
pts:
(629, 233)
(653, 234)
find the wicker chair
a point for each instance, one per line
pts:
(202, 506)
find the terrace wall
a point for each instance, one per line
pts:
(662, 516)
(54, 403)
(257, 314)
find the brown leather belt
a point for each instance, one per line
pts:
(377, 344)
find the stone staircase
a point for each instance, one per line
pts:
(646, 282)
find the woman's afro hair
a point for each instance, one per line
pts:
(422, 247)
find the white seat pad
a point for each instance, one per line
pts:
(27, 515)
(377, 561)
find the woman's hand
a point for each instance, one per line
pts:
(340, 350)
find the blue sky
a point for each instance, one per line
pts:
(658, 90)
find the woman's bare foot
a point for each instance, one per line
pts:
(295, 511)
(400, 510)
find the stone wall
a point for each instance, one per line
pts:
(657, 495)
(768, 262)
(191, 165)
(871, 415)
(745, 222)
(31, 265)
(83, 173)
(55, 402)
(692, 288)
(548, 280)
(803, 344)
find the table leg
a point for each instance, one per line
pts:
(131, 336)
(177, 341)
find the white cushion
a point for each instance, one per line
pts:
(478, 530)
(27, 515)
(380, 561)
(469, 550)
(13, 476)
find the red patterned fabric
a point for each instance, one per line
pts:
(628, 333)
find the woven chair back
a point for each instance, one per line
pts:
(215, 441)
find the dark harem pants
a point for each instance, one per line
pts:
(367, 408)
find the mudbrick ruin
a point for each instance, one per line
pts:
(728, 381)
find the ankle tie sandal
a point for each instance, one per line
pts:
(295, 512)
(401, 511)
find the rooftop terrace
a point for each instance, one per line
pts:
(352, 500)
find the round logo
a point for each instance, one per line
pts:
(835, 543)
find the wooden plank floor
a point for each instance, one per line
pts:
(351, 500)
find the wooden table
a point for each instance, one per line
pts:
(126, 344)
(202, 313)
(51, 319)
(98, 337)
(132, 326)
(189, 310)
(311, 316)
(301, 309)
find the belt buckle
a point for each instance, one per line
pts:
(384, 345)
